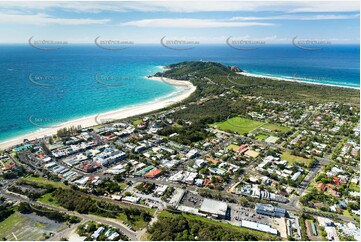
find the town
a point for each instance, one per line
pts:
(284, 170)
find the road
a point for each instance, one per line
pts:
(108, 221)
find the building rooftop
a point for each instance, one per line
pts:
(214, 207)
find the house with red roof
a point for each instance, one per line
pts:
(153, 173)
(321, 186)
(243, 148)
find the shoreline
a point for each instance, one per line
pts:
(292, 80)
(121, 113)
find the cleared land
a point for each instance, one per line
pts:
(275, 127)
(43, 181)
(28, 227)
(233, 147)
(292, 158)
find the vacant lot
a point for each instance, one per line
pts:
(28, 227)
(274, 127)
(292, 158)
(261, 136)
(233, 147)
(43, 181)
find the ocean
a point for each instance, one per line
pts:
(40, 89)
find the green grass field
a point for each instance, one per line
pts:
(239, 125)
(275, 127)
(261, 136)
(233, 147)
(43, 181)
(48, 199)
(244, 125)
(292, 158)
(122, 185)
(136, 122)
(354, 187)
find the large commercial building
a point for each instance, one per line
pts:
(215, 208)
(268, 209)
(258, 227)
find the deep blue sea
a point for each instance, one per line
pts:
(80, 80)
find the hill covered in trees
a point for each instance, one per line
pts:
(215, 78)
(173, 227)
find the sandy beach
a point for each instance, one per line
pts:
(187, 89)
(291, 80)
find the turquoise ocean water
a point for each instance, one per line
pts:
(51, 87)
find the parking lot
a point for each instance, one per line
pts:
(239, 213)
(192, 200)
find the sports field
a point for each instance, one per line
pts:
(239, 125)
(244, 125)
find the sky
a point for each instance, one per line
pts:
(203, 21)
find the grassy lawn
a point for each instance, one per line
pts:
(43, 181)
(354, 187)
(48, 199)
(239, 125)
(244, 125)
(138, 121)
(292, 158)
(347, 213)
(122, 185)
(275, 127)
(8, 224)
(6, 162)
(145, 237)
(233, 147)
(21, 227)
(137, 223)
(261, 136)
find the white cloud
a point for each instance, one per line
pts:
(43, 19)
(328, 6)
(299, 17)
(190, 23)
(192, 6)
